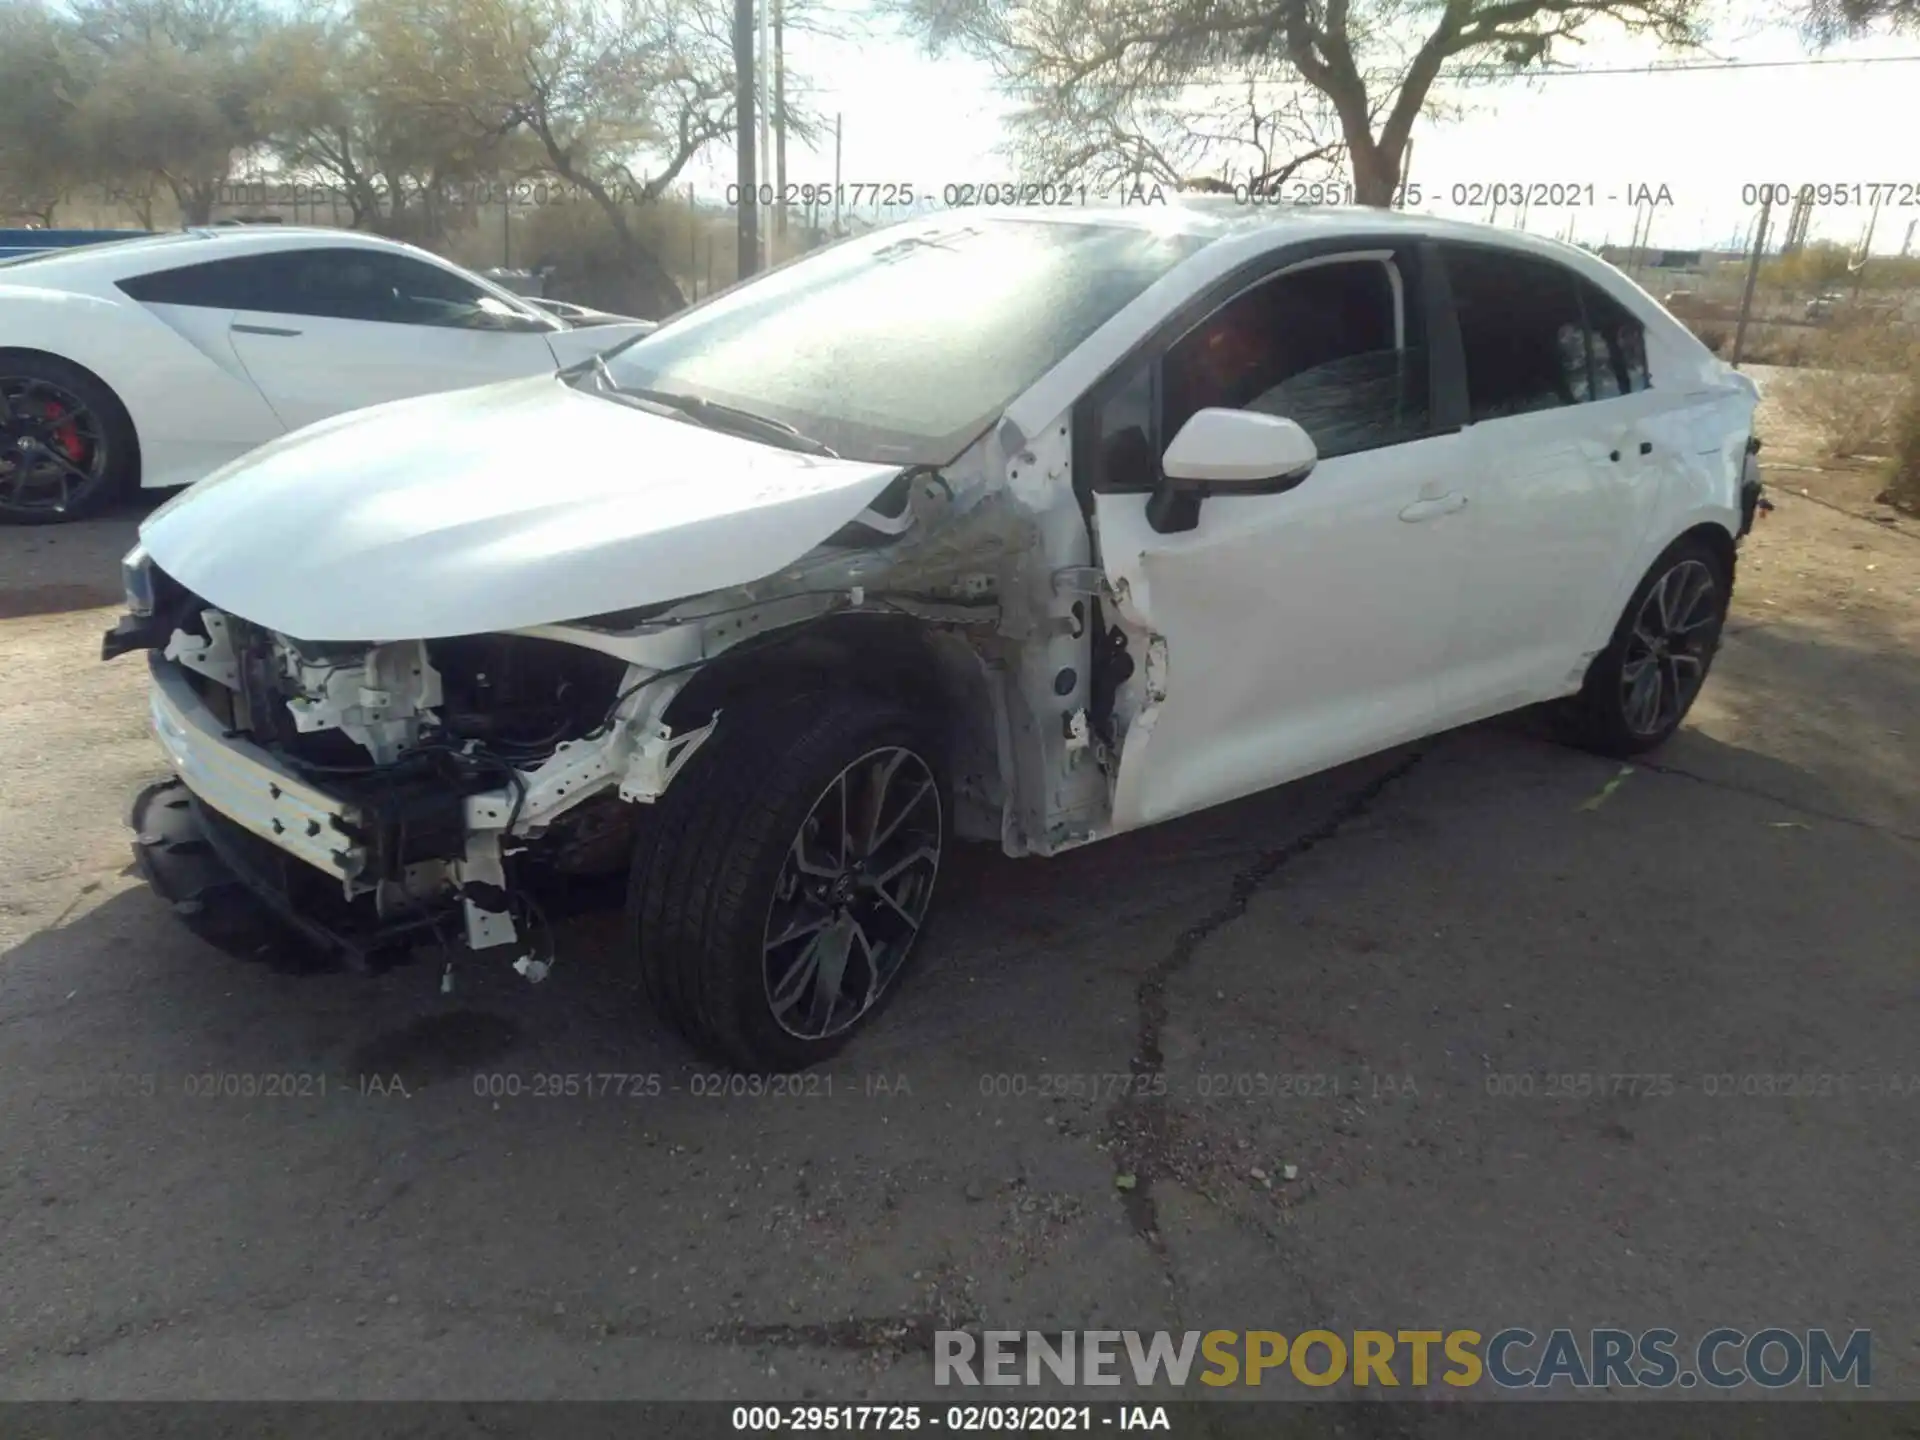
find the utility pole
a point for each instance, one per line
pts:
(1859, 267)
(779, 119)
(760, 74)
(836, 175)
(1753, 274)
(746, 204)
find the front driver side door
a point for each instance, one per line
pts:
(336, 329)
(1297, 630)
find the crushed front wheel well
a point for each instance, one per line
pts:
(900, 659)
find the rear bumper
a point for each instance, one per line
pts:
(242, 782)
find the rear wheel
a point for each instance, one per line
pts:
(66, 444)
(1640, 688)
(780, 892)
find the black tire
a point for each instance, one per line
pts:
(713, 857)
(96, 452)
(1610, 716)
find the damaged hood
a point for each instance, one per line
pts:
(527, 503)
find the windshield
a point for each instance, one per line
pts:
(904, 345)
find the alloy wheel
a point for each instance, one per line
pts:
(1667, 652)
(52, 446)
(852, 893)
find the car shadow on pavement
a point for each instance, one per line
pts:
(551, 1165)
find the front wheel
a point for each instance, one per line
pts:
(1642, 685)
(781, 891)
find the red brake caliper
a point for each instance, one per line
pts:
(67, 436)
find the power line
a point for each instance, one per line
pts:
(1659, 69)
(1571, 72)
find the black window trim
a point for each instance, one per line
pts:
(132, 285)
(1446, 377)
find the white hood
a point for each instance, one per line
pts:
(496, 508)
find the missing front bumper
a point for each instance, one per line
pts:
(252, 900)
(339, 870)
(246, 785)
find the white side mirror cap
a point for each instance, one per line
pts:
(1225, 450)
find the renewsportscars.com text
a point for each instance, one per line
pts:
(1726, 1358)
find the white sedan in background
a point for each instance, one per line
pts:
(155, 360)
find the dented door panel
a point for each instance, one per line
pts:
(1298, 630)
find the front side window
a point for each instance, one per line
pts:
(903, 345)
(1522, 331)
(373, 285)
(1333, 347)
(1327, 346)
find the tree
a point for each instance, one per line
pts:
(175, 96)
(342, 115)
(1117, 140)
(45, 74)
(1826, 21)
(1373, 63)
(597, 88)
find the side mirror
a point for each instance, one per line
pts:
(1227, 452)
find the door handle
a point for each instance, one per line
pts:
(262, 330)
(1437, 506)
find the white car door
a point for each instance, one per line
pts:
(337, 329)
(1560, 474)
(1295, 630)
(192, 420)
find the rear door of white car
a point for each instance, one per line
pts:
(1562, 467)
(1299, 629)
(336, 328)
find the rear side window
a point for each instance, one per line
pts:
(1618, 342)
(213, 284)
(1522, 329)
(341, 283)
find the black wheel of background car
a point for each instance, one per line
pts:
(788, 875)
(66, 444)
(1641, 686)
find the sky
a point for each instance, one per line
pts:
(1703, 135)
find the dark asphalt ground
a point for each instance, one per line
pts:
(1378, 990)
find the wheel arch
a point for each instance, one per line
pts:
(34, 352)
(1714, 536)
(928, 668)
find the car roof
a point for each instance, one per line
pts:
(1221, 217)
(139, 253)
(1234, 230)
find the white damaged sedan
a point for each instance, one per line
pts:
(1028, 527)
